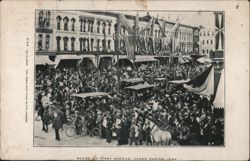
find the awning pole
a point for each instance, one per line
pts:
(117, 51)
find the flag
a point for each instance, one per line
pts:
(129, 44)
(219, 97)
(203, 84)
(126, 24)
(219, 31)
(167, 38)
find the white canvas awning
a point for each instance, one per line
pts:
(144, 59)
(43, 60)
(90, 94)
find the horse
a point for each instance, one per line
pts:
(157, 135)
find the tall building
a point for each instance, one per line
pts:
(85, 34)
(207, 40)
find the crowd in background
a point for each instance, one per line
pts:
(188, 116)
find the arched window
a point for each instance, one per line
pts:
(92, 44)
(89, 25)
(207, 41)
(203, 42)
(211, 42)
(109, 43)
(103, 44)
(204, 33)
(66, 21)
(98, 27)
(80, 40)
(40, 42)
(65, 43)
(103, 27)
(208, 33)
(203, 51)
(109, 29)
(73, 24)
(115, 27)
(84, 44)
(58, 20)
(47, 41)
(207, 51)
(72, 44)
(87, 44)
(98, 45)
(47, 18)
(84, 25)
(58, 46)
(40, 19)
(92, 24)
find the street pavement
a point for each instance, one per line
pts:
(42, 138)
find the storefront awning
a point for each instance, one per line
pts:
(43, 60)
(79, 58)
(144, 59)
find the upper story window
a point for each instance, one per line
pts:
(203, 42)
(58, 43)
(47, 18)
(58, 20)
(103, 44)
(204, 33)
(47, 40)
(109, 44)
(72, 44)
(92, 44)
(98, 27)
(211, 42)
(103, 28)
(40, 19)
(98, 45)
(73, 24)
(207, 41)
(40, 42)
(66, 21)
(208, 33)
(65, 43)
(109, 28)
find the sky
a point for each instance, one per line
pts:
(205, 19)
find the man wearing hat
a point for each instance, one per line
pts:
(77, 123)
(99, 120)
(56, 125)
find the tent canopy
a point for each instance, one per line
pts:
(133, 80)
(160, 79)
(43, 60)
(90, 94)
(179, 81)
(141, 86)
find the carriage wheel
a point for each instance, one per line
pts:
(70, 131)
(84, 131)
(96, 132)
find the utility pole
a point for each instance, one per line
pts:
(118, 33)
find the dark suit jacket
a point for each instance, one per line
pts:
(57, 123)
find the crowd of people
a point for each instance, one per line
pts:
(189, 117)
